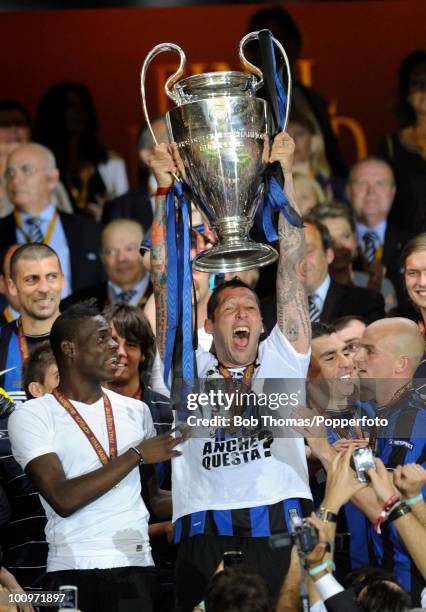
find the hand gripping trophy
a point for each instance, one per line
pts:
(222, 134)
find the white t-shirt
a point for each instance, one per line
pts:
(249, 472)
(111, 531)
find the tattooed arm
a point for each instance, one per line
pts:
(292, 306)
(161, 164)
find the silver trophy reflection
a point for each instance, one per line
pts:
(221, 130)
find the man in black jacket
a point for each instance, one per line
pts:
(371, 190)
(31, 178)
(327, 300)
(127, 279)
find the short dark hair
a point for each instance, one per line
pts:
(65, 328)
(362, 576)
(381, 596)
(237, 589)
(35, 366)
(322, 329)
(342, 322)
(33, 251)
(334, 210)
(326, 241)
(9, 104)
(131, 324)
(233, 283)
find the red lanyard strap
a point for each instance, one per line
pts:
(109, 418)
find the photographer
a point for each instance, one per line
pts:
(318, 563)
(378, 594)
(341, 485)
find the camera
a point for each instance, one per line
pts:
(362, 460)
(232, 558)
(304, 536)
(69, 598)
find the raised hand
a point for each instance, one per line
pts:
(342, 483)
(381, 481)
(409, 479)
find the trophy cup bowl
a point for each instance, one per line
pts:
(221, 130)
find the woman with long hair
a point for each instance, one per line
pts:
(405, 150)
(68, 125)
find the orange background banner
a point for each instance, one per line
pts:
(351, 55)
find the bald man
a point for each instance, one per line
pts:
(127, 279)
(32, 176)
(390, 351)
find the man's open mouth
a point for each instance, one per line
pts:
(241, 336)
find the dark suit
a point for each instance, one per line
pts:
(340, 301)
(134, 204)
(395, 240)
(345, 600)
(100, 294)
(83, 238)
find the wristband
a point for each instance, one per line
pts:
(414, 500)
(321, 568)
(399, 511)
(325, 515)
(391, 502)
(135, 450)
(162, 191)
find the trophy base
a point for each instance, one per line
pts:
(235, 257)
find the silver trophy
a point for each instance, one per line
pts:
(221, 130)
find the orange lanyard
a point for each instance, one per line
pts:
(49, 232)
(239, 385)
(138, 393)
(109, 418)
(22, 341)
(7, 314)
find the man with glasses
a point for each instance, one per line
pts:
(31, 176)
(127, 278)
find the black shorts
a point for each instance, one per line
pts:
(120, 589)
(199, 556)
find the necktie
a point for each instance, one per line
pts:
(314, 311)
(34, 229)
(126, 296)
(371, 241)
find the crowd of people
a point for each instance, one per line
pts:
(101, 485)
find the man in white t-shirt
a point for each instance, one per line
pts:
(82, 446)
(232, 493)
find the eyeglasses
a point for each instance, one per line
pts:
(25, 169)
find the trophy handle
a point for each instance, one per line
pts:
(255, 70)
(170, 81)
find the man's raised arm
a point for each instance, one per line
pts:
(292, 306)
(162, 164)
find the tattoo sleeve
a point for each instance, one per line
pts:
(292, 305)
(159, 270)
